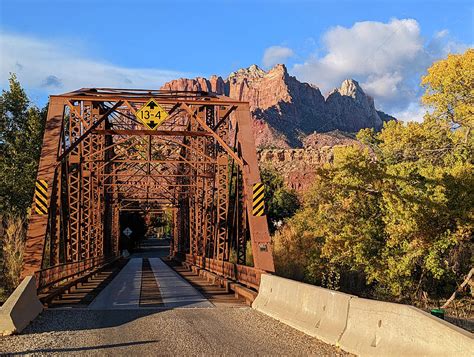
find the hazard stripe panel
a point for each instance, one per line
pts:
(258, 203)
(41, 197)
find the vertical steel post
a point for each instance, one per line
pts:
(259, 234)
(35, 239)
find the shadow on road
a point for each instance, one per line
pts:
(152, 248)
(75, 320)
(81, 349)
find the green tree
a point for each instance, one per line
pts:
(21, 131)
(281, 202)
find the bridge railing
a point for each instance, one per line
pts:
(248, 276)
(51, 276)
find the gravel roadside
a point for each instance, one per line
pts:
(222, 331)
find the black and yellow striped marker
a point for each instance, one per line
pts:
(258, 206)
(41, 197)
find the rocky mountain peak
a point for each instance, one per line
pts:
(351, 88)
(251, 73)
(285, 110)
(352, 109)
(279, 69)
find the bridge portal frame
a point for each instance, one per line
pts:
(96, 155)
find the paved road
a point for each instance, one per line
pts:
(116, 323)
(229, 331)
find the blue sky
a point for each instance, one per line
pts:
(55, 46)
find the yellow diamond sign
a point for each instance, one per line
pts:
(152, 115)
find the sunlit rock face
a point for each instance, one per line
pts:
(296, 129)
(298, 167)
(350, 109)
(286, 112)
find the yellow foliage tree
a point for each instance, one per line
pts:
(400, 216)
(450, 89)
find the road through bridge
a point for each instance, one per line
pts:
(128, 318)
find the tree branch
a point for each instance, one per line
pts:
(464, 283)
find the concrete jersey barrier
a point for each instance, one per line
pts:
(361, 326)
(377, 328)
(21, 308)
(319, 312)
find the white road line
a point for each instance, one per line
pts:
(123, 292)
(175, 291)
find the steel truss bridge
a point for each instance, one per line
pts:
(98, 161)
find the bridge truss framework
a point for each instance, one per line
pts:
(98, 160)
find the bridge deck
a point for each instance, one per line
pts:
(175, 291)
(124, 292)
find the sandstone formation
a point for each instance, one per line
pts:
(330, 139)
(384, 116)
(296, 166)
(295, 127)
(350, 109)
(285, 111)
(214, 84)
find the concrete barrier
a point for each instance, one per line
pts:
(319, 312)
(377, 328)
(20, 308)
(361, 326)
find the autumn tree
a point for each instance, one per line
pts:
(398, 212)
(449, 88)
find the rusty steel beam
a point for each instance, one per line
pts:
(88, 131)
(260, 236)
(37, 227)
(111, 98)
(150, 132)
(100, 162)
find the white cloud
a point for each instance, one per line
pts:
(56, 68)
(276, 54)
(414, 112)
(385, 85)
(388, 60)
(442, 33)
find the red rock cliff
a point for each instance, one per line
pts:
(286, 111)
